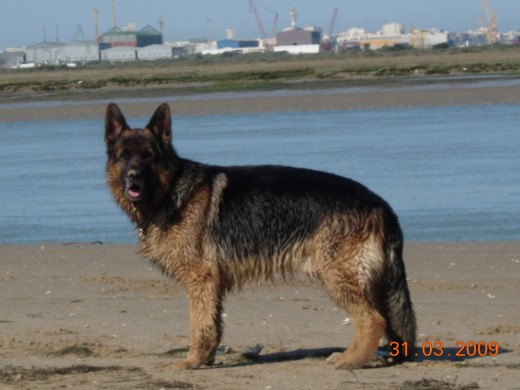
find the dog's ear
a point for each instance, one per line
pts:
(161, 123)
(115, 123)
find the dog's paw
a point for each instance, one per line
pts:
(333, 358)
(347, 364)
(191, 363)
(188, 364)
(344, 361)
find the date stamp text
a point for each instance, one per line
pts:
(437, 349)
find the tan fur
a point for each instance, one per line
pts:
(347, 252)
(346, 267)
(181, 253)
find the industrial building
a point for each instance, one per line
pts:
(390, 35)
(81, 51)
(55, 53)
(422, 39)
(115, 45)
(299, 36)
(130, 37)
(130, 44)
(236, 44)
(296, 40)
(12, 58)
(43, 53)
(154, 52)
(119, 53)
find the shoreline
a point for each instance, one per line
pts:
(128, 245)
(141, 101)
(136, 243)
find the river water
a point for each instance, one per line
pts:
(450, 173)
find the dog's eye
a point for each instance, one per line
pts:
(147, 154)
(125, 154)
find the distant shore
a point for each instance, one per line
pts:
(141, 101)
(200, 85)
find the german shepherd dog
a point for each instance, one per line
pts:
(214, 228)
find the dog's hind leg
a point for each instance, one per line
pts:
(370, 326)
(205, 296)
(346, 278)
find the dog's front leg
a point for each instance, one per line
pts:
(205, 298)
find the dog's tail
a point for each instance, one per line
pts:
(396, 304)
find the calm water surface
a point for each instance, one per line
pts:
(450, 173)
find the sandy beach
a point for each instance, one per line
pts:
(99, 316)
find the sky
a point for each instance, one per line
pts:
(23, 22)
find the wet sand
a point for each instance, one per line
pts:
(99, 316)
(142, 102)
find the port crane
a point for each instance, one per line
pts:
(161, 25)
(492, 19)
(96, 25)
(333, 22)
(114, 13)
(274, 27)
(254, 10)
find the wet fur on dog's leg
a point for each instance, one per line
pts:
(205, 298)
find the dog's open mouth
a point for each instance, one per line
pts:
(135, 192)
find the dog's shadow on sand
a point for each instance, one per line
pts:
(297, 354)
(381, 359)
(452, 354)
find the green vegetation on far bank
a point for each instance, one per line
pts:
(238, 72)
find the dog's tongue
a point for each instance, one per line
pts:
(134, 192)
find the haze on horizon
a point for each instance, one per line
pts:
(26, 22)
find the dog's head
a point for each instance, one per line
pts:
(140, 161)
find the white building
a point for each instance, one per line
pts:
(298, 49)
(55, 53)
(43, 53)
(205, 47)
(393, 30)
(230, 33)
(390, 35)
(422, 39)
(154, 52)
(81, 51)
(352, 34)
(119, 53)
(12, 58)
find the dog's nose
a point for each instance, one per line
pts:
(132, 174)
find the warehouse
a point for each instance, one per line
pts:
(81, 51)
(236, 44)
(12, 58)
(296, 40)
(299, 36)
(154, 52)
(120, 53)
(129, 37)
(55, 53)
(43, 53)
